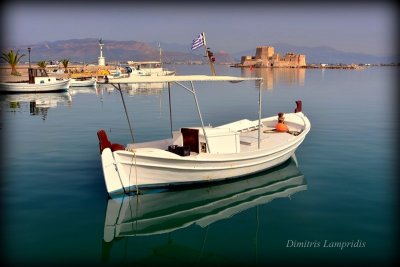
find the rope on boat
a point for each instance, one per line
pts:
(119, 176)
(136, 176)
(133, 141)
(130, 172)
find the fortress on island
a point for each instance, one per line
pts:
(266, 57)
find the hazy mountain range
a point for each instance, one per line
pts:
(87, 50)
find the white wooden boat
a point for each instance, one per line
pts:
(200, 154)
(38, 82)
(83, 82)
(169, 210)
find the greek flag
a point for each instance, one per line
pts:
(199, 41)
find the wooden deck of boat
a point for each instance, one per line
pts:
(248, 141)
(268, 139)
(248, 136)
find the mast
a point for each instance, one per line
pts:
(159, 47)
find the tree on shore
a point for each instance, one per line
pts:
(13, 59)
(42, 64)
(65, 62)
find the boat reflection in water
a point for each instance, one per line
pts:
(135, 88)
(83, 90)
(144, 88)
(39, 103)
(166, 211)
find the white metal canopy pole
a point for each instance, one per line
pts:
(198, 110)
(126, 111)
(201, 118)
(259, 116)
(170, 108)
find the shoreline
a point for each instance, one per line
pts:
(78, 70)
(73, 69)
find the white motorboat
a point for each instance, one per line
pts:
(166, 211)
(38, 82)
(83, 82)
(200, 154)
(142, 68)
(147, 68)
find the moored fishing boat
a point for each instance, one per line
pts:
(39, 81)
(200, 154)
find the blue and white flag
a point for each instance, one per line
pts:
(199, 41)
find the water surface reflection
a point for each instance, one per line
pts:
(274, 76)
(162, 212)
(39, 103)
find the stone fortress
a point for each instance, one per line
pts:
(266, 57)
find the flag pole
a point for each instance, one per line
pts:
(206, 53)
(205, 43)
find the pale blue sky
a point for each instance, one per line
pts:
(354, 27)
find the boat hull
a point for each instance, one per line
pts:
(17, 87)
(125, 171)
(83, 83)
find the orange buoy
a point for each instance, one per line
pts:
(281, 127)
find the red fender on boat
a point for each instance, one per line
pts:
(105, 143)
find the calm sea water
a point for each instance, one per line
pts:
(337, 206)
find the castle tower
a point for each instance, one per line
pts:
(302, 61)
(264, 52)
(102, 60)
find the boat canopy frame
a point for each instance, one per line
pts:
(179, 81)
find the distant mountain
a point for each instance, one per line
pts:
(87, 50)
(322, 54)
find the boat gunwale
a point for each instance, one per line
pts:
(222, 157)
(260, 159)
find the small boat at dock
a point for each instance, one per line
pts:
(83, 82)
(39, 81)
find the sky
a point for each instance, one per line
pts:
(369, 28)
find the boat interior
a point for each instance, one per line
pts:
(240, 136)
